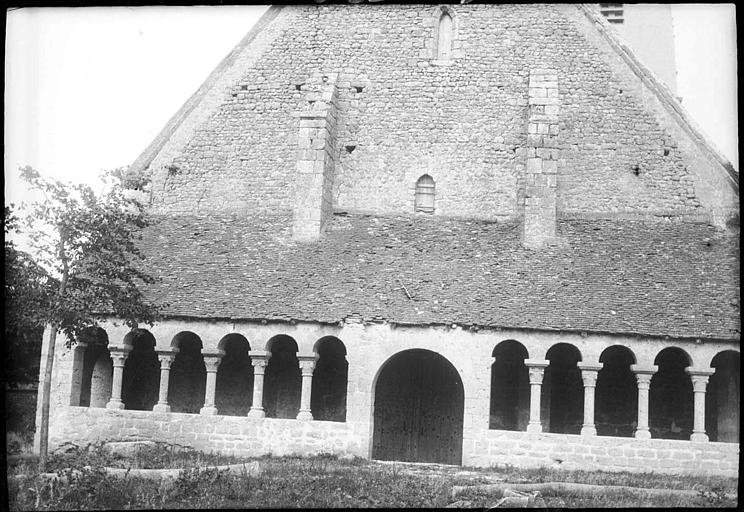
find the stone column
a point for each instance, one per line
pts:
(307, 364)
(118, 357)
(211, 362)
(166, 359)
(259, 360)
(699, 378)
(589, 373)
(536, 369)
(643, 376)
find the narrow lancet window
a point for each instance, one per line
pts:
(424, 200)
(444, 42)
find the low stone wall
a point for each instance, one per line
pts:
(573, 452)
(230, 435)
(243, 436)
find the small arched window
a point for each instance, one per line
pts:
(444, 40)
(425, 190)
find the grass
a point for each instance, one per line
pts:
(319, 482)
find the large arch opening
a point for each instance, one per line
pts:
(510, 387)
(234, 388)
(95, 373)
(330, 377)
(282, 380)
(722, 398)
(141, 379)
(564, 390)
(670, 396)
(188, 375)
(418, 409)
(616, 396)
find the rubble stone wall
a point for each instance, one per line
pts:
(402, 113)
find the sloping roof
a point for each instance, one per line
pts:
(649, 278)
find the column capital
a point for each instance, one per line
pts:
(536, 363)
(119, 355)
(166, 359)
(307, 366)
(589, 366)
(699, 372)
(211, 362)
(259, 354)
(699, 377)
(307, 362)
(166, 351)
(640, 369)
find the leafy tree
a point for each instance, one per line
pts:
(28, 289)
(88, 241)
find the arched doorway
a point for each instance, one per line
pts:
(418, 409)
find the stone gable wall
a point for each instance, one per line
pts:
(402, 114)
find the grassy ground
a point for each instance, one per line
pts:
(320, 482)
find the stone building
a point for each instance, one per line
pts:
(470, 234)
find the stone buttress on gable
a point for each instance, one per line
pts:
(403, 113)
(313, 204)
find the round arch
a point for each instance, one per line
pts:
(418, 409)
(234, 382)
(562, 397)
(510, 387)
(92, 369)
(670, 396)
(616, 399)
(282, 380)
(141, 379)
(722, 398)
(188, 375)
(330, 380)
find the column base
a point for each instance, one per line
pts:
(588, 430)
(256, 413)
(643, 434)
(305, 416)
(161, 408)
(699, 437)
(117, 405)
(208, 411)
(534, 427)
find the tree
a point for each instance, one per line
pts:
(28, 289)
(89, 243)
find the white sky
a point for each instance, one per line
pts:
(89, 88)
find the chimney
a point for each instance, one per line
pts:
(542, 159)
(313, 204)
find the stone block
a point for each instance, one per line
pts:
(550, 166)
(535, 165)
(543, 101)
(127, 448)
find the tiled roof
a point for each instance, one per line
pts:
(617, 276)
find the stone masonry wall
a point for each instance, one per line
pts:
(232, 435)
(573, 452)
(243, 436)
(402, 114)
(369, 348)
